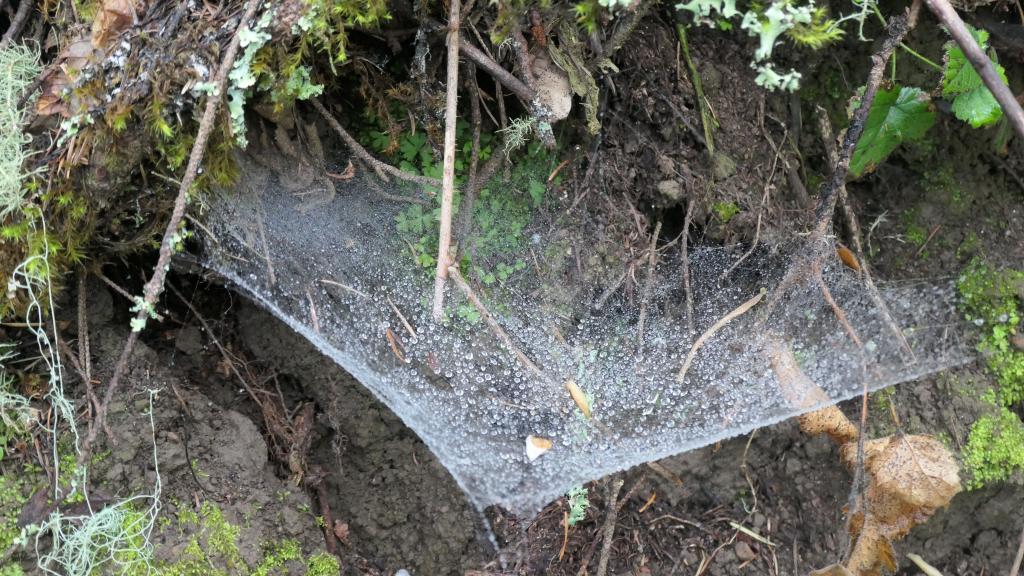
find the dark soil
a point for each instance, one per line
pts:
(398, 507)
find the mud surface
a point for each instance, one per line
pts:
(397, 508)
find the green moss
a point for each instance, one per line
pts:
(276, 556)
(213, 550)
(725, 211)
(990, 299)
(323, 564)
(995, 448)
(15, 491)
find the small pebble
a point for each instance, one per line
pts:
(744, 552)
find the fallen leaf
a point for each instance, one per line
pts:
(847, 257)
(536, 447)
(578, 397)
(113, 17)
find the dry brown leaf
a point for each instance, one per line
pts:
(72, 58)
(111, 19)
(847, 257)
(909, 477)
(800, 391)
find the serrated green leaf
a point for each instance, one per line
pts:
(898, 115)
(972, 101)
(977, 107)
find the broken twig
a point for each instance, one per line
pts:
(739, 311)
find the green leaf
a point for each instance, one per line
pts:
(972, 101)
(898, 115)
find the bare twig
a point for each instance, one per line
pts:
(465, 224)
(84, 352)
(686, 263)
(855, 232)
(760, 210)
(496, 328)
(381, 168)
(739, 311)
(980, 61)
(623, 32)
(444, 256)
(896, 30)
(506, 78)
(707, 119)
(825, 208)
(652, 259)
(155, 286)
(1015, 569)
(609, 525)
(18, 23)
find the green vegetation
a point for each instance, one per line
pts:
(578, 504)
(897, 115)
(995, 448)
(213, 549)
(972, 101)
(991, 300)
(904, 114)
(501, 212)
(725, 211)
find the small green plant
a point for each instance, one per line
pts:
(578, 504)
(898, 115)
(972, 101)
(990, 300)
(500, 213)
(724, 211)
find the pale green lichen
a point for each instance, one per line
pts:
(807, 25)
(19, 66)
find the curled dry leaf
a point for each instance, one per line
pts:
(111, 19)
(536, 447)
(847, 257)
(909, 477)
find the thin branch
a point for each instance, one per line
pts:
(980, 61)
(855, 232)
(609, 525)
(444, 256)
(739, 311)
(381, 168)
(506, 78)
(652, 259)
(623, 32)
(20, 18)
(686, 264)
(1015, 569)
(155, 286)
(895, 32)
(496, 328)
